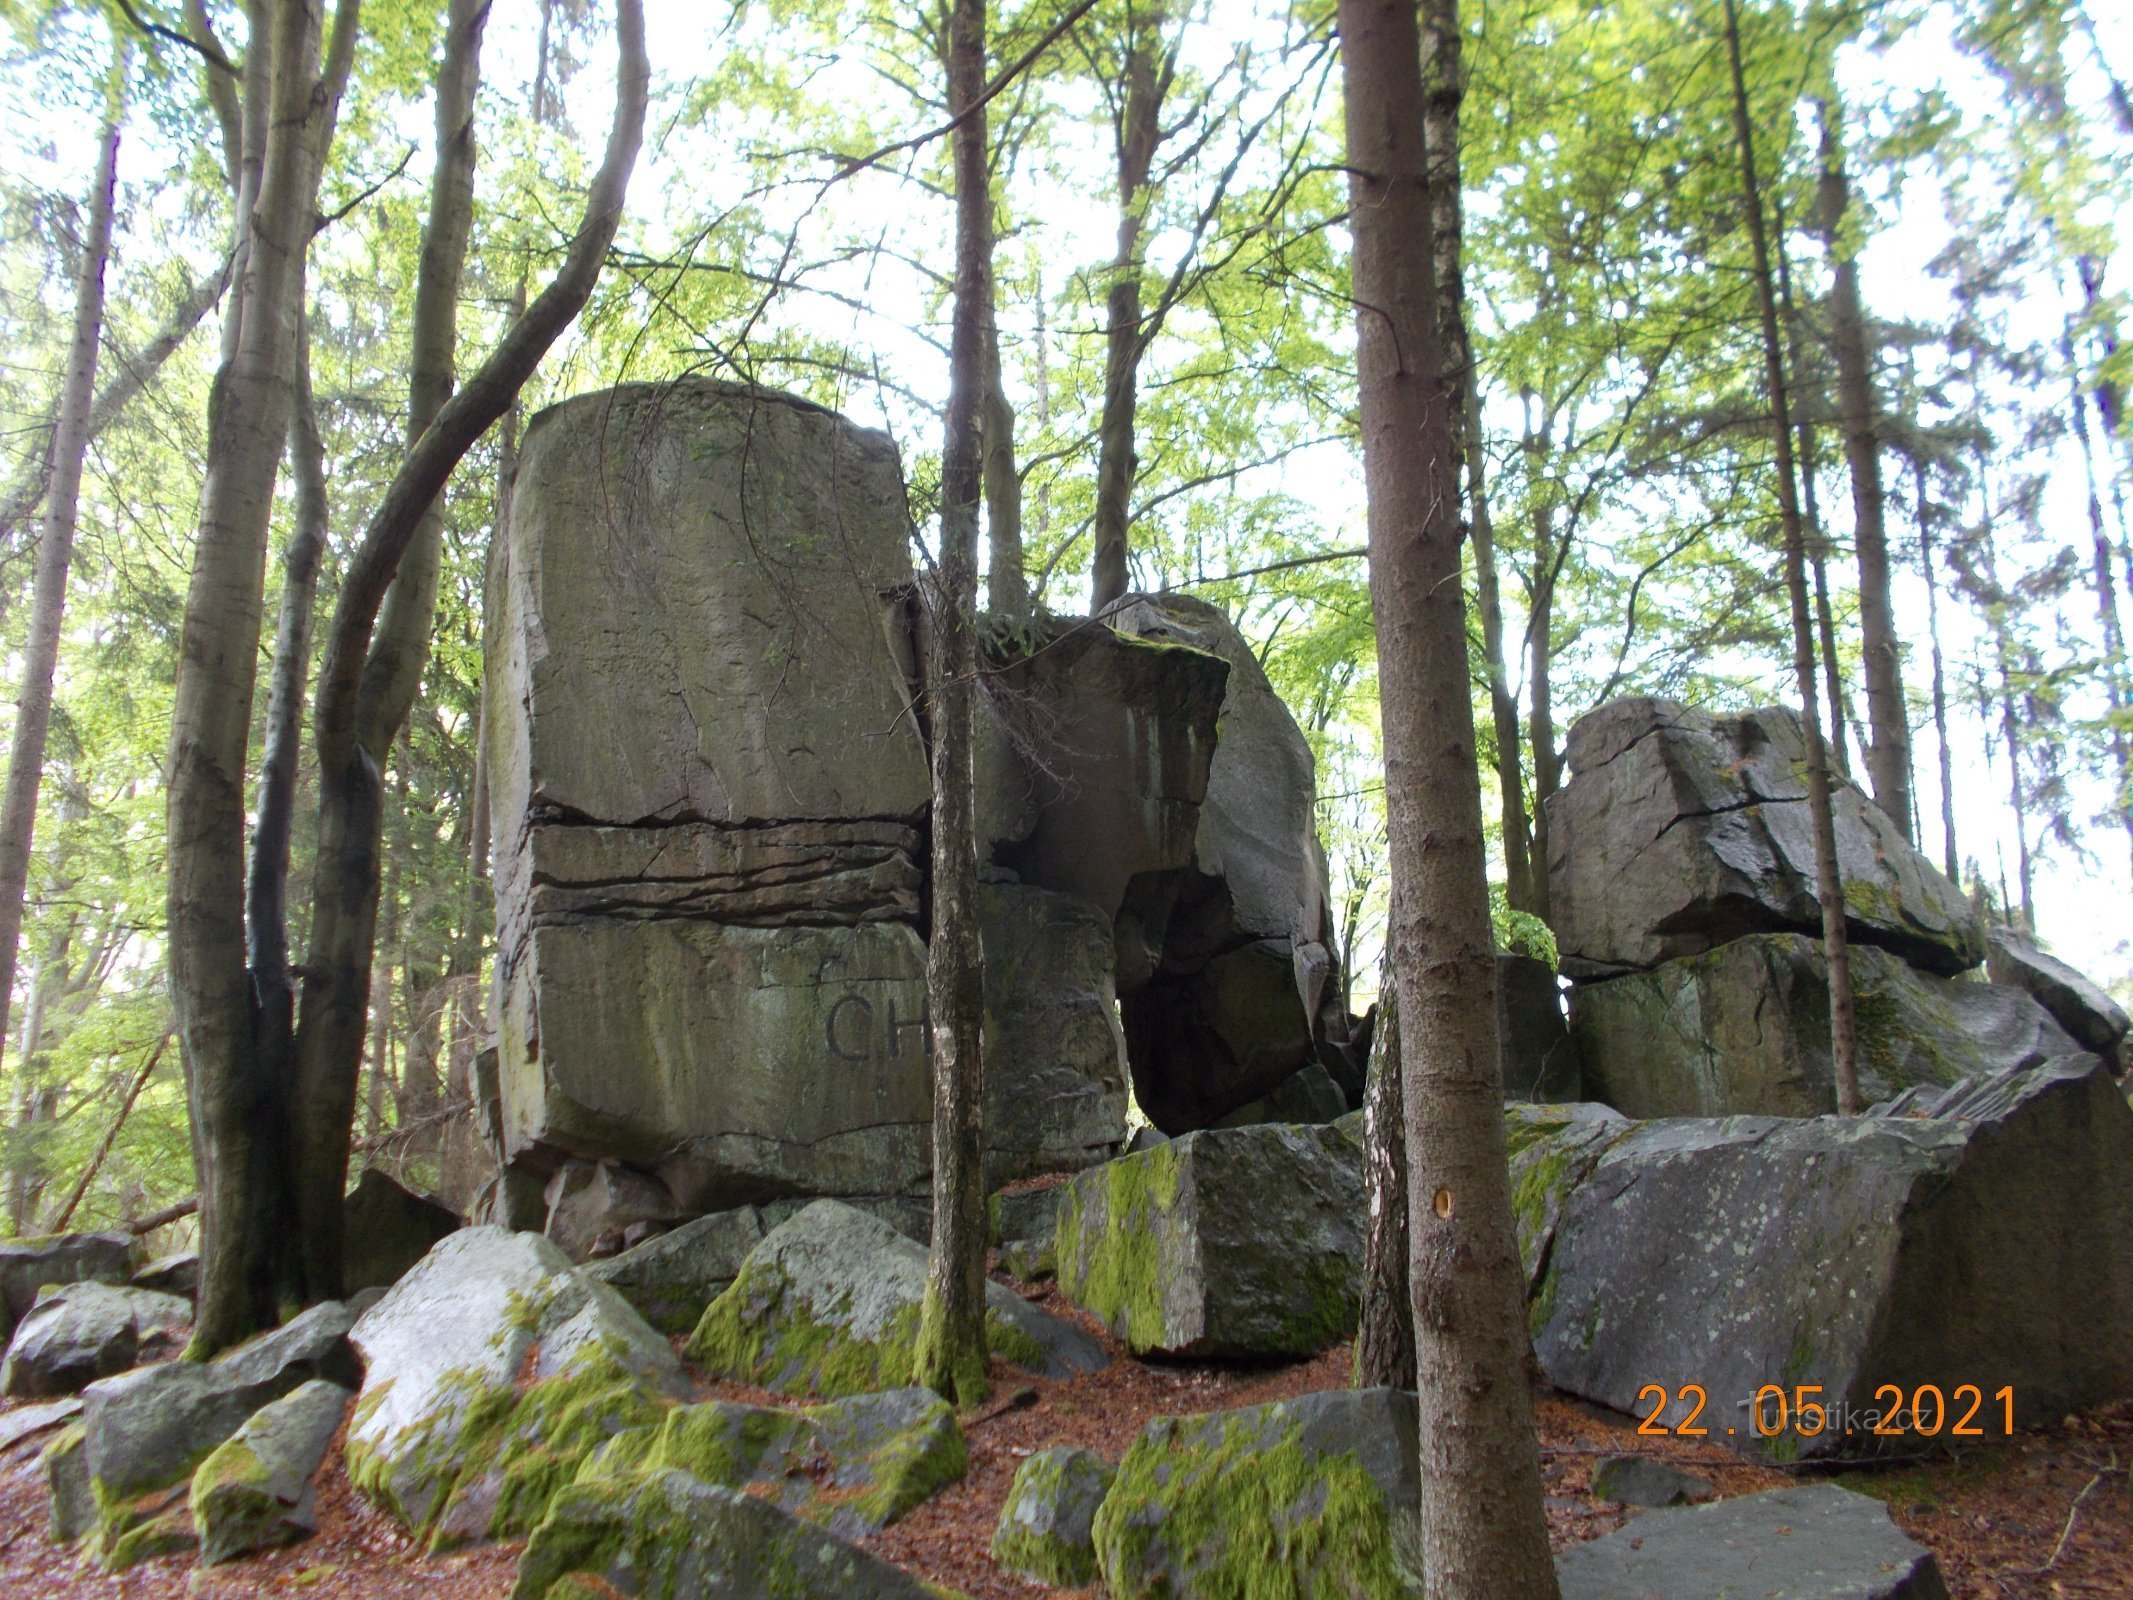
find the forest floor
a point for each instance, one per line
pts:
(2045, 1515)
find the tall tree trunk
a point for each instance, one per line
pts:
(1481, 1517)
(379, 638)
(950, 1357)
(2116, 693)
(1888, 756)
(1006, 579)
(1949, 858)
(292, 96)
(55, 553)
(1139, 129)
(1503, 704)
(1540, 694)
(1843, 1027)
(35, 1099)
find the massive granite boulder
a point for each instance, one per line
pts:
(1242, 988)
(1976, 1235)
(1744, 1029)
(1679, 830)
(2077, 1004)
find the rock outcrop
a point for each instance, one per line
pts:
(1744, 1029)
(87, 1331)
(1047, 1528)
(2093, 1018)
(672, 1277)
(1679, 830)
(1229, 1242)
(388, 1228)
(27, 1265)
(1974, 1235)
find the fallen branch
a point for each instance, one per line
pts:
(137, 1226)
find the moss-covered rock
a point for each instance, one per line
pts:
(494, 1369)
(1229, 1242)
(665, 1535)
(828, 1304)
(255, 1491)
(66, 1475)
(671, 1278)
(1291, 1501)
(1047, 1528)
(854, 1466)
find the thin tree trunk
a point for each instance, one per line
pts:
(292, 96)
(1540, 692)
(34, 1100)
(2114, 639)
(1503, 704)
(1481, 1517)
(1826, 627)
(1139, 128)
(1949, 858)
(1843, 1027)
(1385, 1339)
(1006, 577)
(380, 632)
(65, 1214)
(1888, 756)
(950, 1356)
(55, 554)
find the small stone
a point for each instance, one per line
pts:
(1046, 1530)
(1641, 1481)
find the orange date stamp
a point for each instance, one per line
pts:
(1923, 1412)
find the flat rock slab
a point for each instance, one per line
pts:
(1047, 1528)
(1641, 1481)
(25, 1422)
(491, 1371)
(828, 1304)
(1227, 1242)
(666, 1533)
(852, 1466)
(1298, 1497)
(1971, 1236)
(86, 1331)
(1743, 1030)
(1815, 1543)
(255, 1491)
(1679, 830)
(2080, 1006)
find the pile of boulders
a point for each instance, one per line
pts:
(1681, 884)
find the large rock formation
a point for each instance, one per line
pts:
(1242, 988)
(1679, 830)
(2078, 1005)
(1967, 1236)
(1744, 1029)
(709, 784)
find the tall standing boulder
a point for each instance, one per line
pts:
(1679, 830)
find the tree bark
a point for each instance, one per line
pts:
(1006, 576)
(292, 97)
(1385, 1339)
(379, 636)
(1481, 1517)
(1949, 858)
(1888, 756)
(1843, 1027)
(55, 553)
(1139, 130)
(1503, 704)
(2114, 640)
(950, 1356)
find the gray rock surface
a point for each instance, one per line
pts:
(1047, 1527)
(671, 1278)
(828, 1304)
(255, 1491)
(1744, 1029)
(388, 1228)
(177, 1273)
(1974, 1235)
(1248, 978)
(1055, 1056)
(27, 1265)
(1227, 1242)
(1297, 1497)
(487, 1369)
(1306, 1095)
(2093, 1018)
(592, 1205)
(852, 1466)
(1816, 1542)
(1642, 1481)
(146, 1431)
(83, 1332)
(666, 1533)
(1678, 830)
(24, 1422)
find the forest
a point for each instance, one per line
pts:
(1775, 357)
